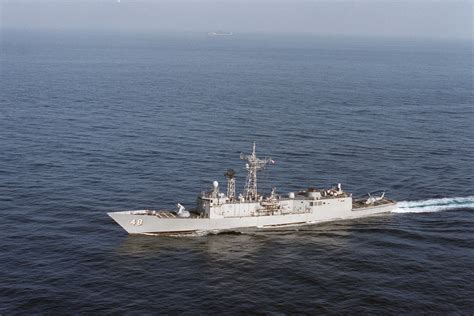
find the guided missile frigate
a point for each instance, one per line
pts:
(217, 211)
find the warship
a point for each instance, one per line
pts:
(217, 211)
(220, 33)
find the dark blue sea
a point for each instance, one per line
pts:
(91, 123)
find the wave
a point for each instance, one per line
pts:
(434, 205)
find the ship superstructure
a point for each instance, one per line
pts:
(218, 211)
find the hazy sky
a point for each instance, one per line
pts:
(415, 18)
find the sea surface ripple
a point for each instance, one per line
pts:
(95, 123)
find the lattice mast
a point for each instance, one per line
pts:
(253, 165)
(230, 175)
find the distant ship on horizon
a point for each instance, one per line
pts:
(220, 33)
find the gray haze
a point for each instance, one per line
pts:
(430, 19)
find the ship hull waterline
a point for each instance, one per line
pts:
(149, 224)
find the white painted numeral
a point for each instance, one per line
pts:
(136, 222)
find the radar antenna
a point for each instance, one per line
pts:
(230, 175)
(253, 165)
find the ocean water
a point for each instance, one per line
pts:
(91, 123)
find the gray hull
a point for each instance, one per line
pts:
(139, 222)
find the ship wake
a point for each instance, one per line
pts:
(434, 205)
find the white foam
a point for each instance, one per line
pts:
(434, 205)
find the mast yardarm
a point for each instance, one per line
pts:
(253, 165)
